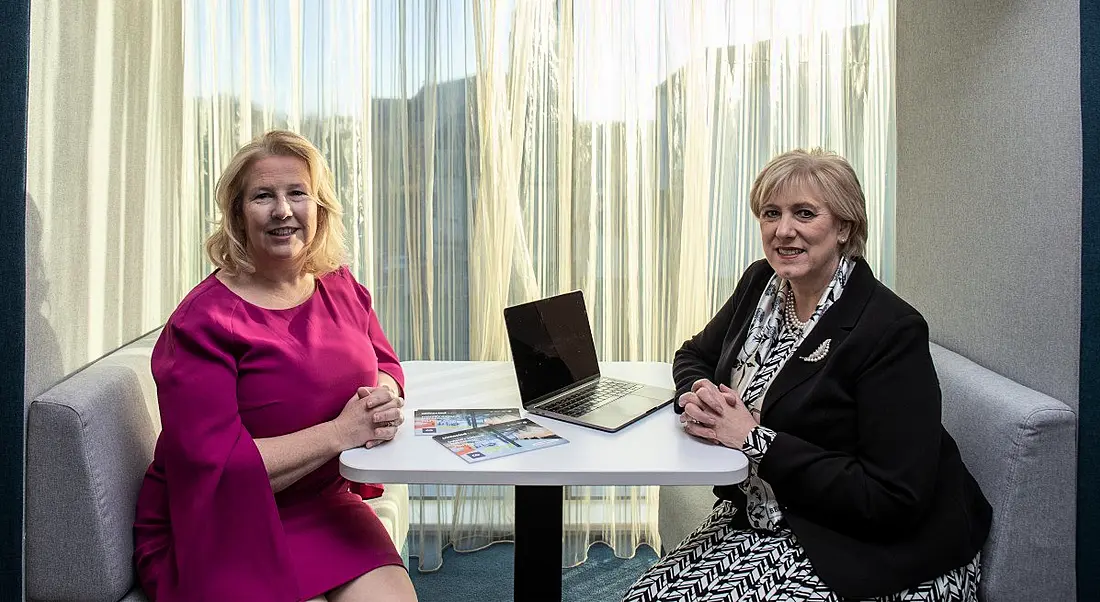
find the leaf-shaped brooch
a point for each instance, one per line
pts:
(819, 353)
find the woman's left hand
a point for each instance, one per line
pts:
(717, 414)
(385, 412)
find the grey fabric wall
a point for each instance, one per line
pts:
(989, 182)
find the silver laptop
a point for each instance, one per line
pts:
(559, 377)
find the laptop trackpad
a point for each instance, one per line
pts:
(655, 393)
(622, 410)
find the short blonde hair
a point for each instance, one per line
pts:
(830, 176)
(226, 246)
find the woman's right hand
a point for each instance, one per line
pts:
(716, 414)
(693, 397)
(369, 418)
(702, 383)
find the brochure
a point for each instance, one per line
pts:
(439, 422)
(499, 440)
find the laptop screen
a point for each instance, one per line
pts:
(551, 345)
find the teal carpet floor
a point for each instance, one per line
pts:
(486, 576)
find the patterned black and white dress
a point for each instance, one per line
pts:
(719, 562)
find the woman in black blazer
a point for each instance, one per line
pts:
(823, 378)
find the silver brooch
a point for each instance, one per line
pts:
(818, 353)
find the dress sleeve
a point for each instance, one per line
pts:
(228, 541)
(757, 443)
(387, 357)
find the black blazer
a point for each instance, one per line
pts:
(868, 480)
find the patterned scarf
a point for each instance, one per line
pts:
(769, 344)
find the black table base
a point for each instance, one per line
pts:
(538, 543)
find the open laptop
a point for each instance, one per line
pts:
(559, 377)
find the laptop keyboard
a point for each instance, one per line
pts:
(582, 402)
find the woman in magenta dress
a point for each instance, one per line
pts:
(266, 371)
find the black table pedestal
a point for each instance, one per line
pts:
(538, 542)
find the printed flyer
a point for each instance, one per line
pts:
(499, 440)
(440, 422)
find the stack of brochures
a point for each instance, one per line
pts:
(477, 435)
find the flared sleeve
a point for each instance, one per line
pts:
(228, 541)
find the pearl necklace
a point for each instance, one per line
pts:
(792, 316)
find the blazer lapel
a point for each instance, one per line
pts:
(833, 327)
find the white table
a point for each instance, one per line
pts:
(652, 451)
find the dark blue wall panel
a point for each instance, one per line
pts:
(1088, 459)
(14, 45)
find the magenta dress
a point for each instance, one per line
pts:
(208, 526)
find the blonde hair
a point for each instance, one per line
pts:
(226, 246)
(830, 176)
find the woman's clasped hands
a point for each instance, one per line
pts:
(371, 417)
(717, 414)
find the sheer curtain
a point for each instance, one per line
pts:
(490, 152)
(109, 249)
